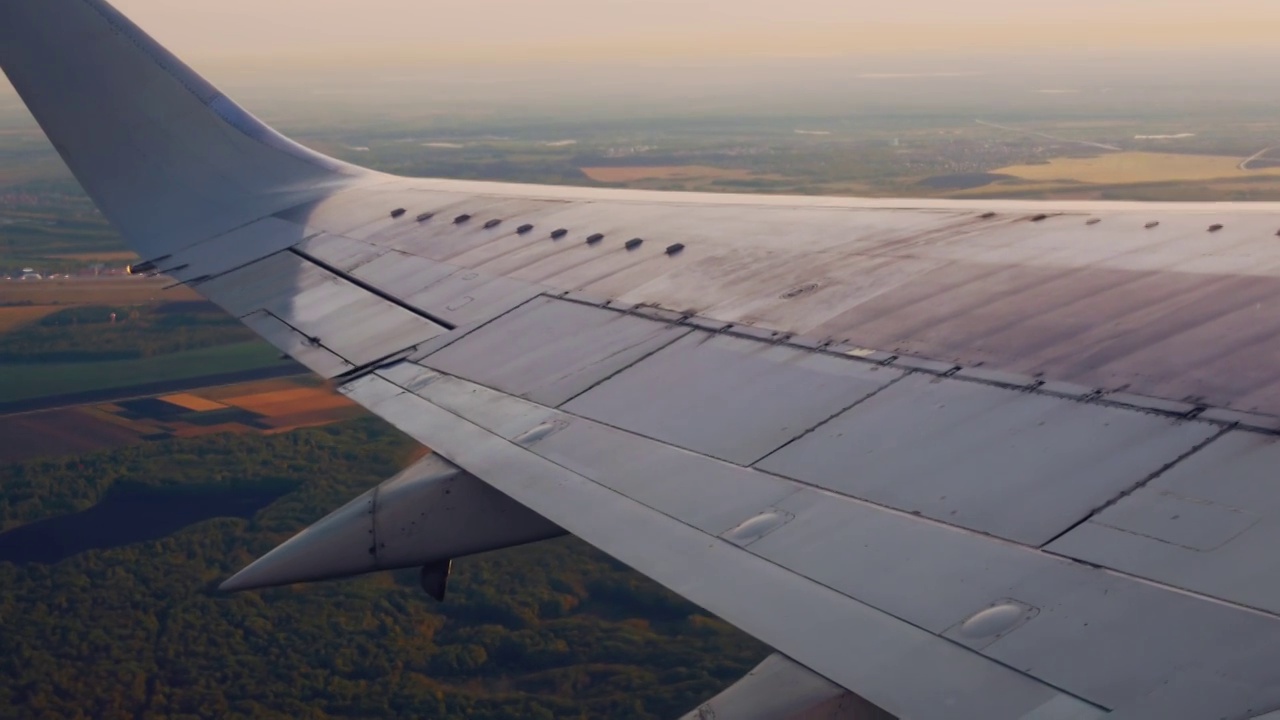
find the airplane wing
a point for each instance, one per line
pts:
(949, 459)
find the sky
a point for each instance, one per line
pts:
(374, 53)
(328, 31)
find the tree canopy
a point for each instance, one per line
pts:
(553, 630)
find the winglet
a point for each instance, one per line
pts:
(167, 158)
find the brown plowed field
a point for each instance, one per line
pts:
(122, 256)
(304, 400)
(192, 402)
(15, 316)
(281, 423)
(104, 291)
(58, 432)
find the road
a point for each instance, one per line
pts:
(1244, 164)
(1047, 136)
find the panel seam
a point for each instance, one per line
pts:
(678, 337)
(1135, 487)
(372, 289)
(466, 331)
(829, 418)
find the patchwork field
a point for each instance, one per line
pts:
(1125, 168)
(665, 172)
(105, 291)
(262, 407)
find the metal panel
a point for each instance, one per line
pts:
(1154, 332)
(550, 350)
(1110, 638)
(434, 345)
(888, 559)
(300, 347)
(911, 673)
(708, 494)
(270, 280)
(339, 252)
(731, 398)
(467, 296)
(1097, 634)
(402, 275)
(1209, 524)
(502, 415)
(354, 323)
(1018, 465)
(234, 249)
(347, 319)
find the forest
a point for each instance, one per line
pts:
(553, 630)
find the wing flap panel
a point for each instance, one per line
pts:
(710, 495)
(549, 351)
(455, 295)
(266, 284)
(1102, 635)
(343, 254)
(1022, 466)
(325, 309)
(299, 346)
(1210, 524)
(728, 397)
(237, 248)
(403, 275)
(467, 296)
(779, 689)
(748, 591)
(1097, 634)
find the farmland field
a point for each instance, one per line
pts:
(106, 256)
(107, 291)
(58, 432)
(1137, 167)
(22, 381)
(264, 407)
(664, 172)
(16, 316)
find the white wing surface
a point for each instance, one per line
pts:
(966, 460)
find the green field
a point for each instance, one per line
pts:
(25, 381)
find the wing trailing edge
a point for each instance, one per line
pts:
(781, 689)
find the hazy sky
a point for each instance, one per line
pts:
(505, 30)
